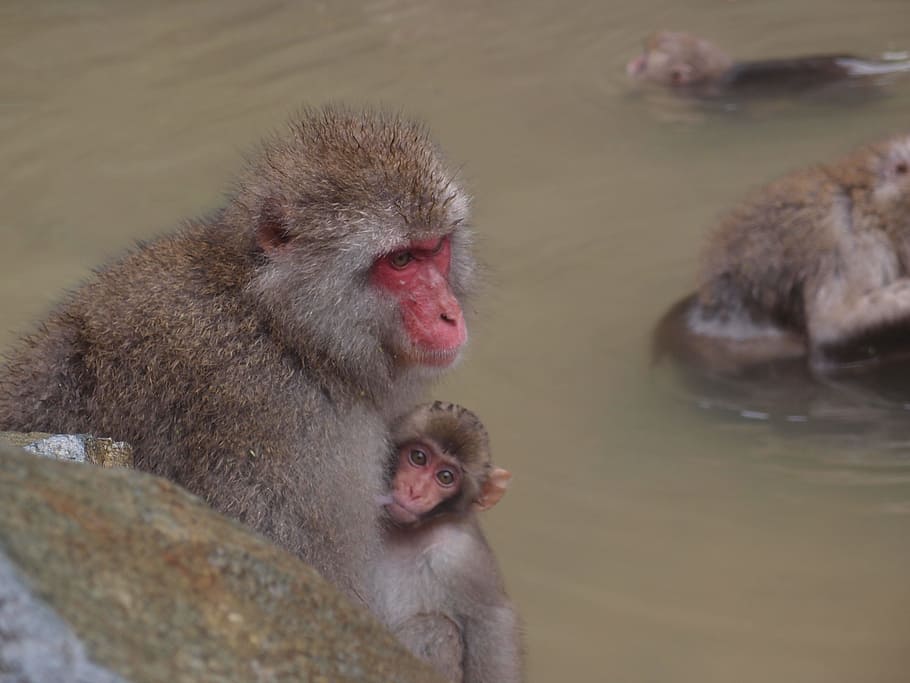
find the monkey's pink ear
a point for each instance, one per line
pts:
(271, 235)
(493, 490)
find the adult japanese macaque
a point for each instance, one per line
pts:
(437, 583)
(816, 264)
(257, 355)
(693, 65)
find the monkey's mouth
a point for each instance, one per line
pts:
(400, 514)
(434, 358)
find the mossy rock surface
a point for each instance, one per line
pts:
(157, 588)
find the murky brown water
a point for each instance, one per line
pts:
(645, 539)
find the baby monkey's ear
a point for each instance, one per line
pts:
(494, 489)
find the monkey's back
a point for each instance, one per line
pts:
(762, 253)
(165, 349)
(136, 327)
(794, 74)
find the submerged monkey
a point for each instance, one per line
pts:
(815, 264)
(437, 582)
(693, 65)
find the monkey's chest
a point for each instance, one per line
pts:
(417, 575)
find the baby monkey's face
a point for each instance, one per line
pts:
(424, 477)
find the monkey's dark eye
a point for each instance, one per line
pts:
(400, 259)
(418, 458)
(901, 168)
(445, 478)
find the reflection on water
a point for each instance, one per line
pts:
(656, 530)
(871, 397)
(868, 411)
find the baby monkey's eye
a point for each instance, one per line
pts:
(445, 477)
(901, 168)
(418, 458)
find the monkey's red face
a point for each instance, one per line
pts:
(424, 478)
(418, 278)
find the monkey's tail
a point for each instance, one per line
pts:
(884, 67)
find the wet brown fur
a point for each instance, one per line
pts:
(695, 66)
(704, 61)
(818, 259)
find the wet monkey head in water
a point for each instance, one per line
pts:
(675, 58)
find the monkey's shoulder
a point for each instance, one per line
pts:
(786, 201)
(781, 226)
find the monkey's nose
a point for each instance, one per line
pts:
(449, 318)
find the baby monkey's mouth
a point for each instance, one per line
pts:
(400, 514)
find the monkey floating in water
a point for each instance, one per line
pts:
(801, 311)
(694, 66)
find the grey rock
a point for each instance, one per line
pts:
(36, 646)
(82, 448)
(127, 577)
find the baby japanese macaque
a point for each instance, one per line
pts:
(815, 264)
(437, 584)
(688, 63)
